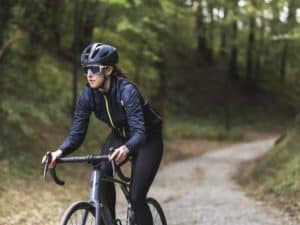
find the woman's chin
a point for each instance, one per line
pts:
(93, 85)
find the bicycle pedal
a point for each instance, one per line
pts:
(118, 222)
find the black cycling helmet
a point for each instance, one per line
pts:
(99, 53)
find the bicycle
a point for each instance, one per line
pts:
(92, 211)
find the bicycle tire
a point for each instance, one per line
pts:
(157, 212)
(76, 212)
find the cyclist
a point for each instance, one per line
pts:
(136, 126)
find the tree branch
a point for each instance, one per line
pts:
(10, 41)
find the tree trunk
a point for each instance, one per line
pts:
(54, 15)
(260, 51)
(283, 61)
(210, 58)
(223, 38)
(251, 39)
(76, 53)
(227, 114)
(291, 20)
(202, 44)
(161, 94)
(139, 63)
(233, 62)
(88, 21)
(5, 17)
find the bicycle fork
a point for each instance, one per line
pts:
(130, 216)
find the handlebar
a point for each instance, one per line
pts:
(90, 159)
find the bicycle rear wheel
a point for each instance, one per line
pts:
(157, 212)
(80, 213)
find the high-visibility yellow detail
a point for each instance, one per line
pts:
(124, 133)
(108, 112)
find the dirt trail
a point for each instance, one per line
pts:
(201, 190)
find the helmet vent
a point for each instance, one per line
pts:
(95, 53)
(104, 53)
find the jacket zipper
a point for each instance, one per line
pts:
(108, 112)
(124, 133)
(121, 131)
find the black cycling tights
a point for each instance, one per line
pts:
(145, 164)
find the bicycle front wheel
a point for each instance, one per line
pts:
(80, 213)
(157, 212)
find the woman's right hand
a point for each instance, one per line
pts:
(54, 156)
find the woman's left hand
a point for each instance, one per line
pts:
(119, 154)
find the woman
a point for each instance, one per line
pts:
(136, 127)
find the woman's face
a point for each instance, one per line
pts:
(95, 75)
(95, 80)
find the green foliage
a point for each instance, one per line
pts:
(15, 112)
(279, 170)
(121, 3)
(201, 128)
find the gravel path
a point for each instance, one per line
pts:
(201, 191)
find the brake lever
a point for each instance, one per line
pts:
(47, 161)
(111, 150)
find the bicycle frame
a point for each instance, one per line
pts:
(95, 191)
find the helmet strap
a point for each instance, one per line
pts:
(106, 80)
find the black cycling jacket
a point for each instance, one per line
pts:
(122, 108)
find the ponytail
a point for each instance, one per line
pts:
(118, 72)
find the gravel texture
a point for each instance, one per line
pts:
(201, 191)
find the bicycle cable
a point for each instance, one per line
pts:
(113, 167)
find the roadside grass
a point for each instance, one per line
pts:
(275, 177)
(37, 202)
(196, 128)
(242, 127)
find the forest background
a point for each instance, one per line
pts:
(217, 70)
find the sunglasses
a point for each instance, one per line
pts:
(94, 69)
